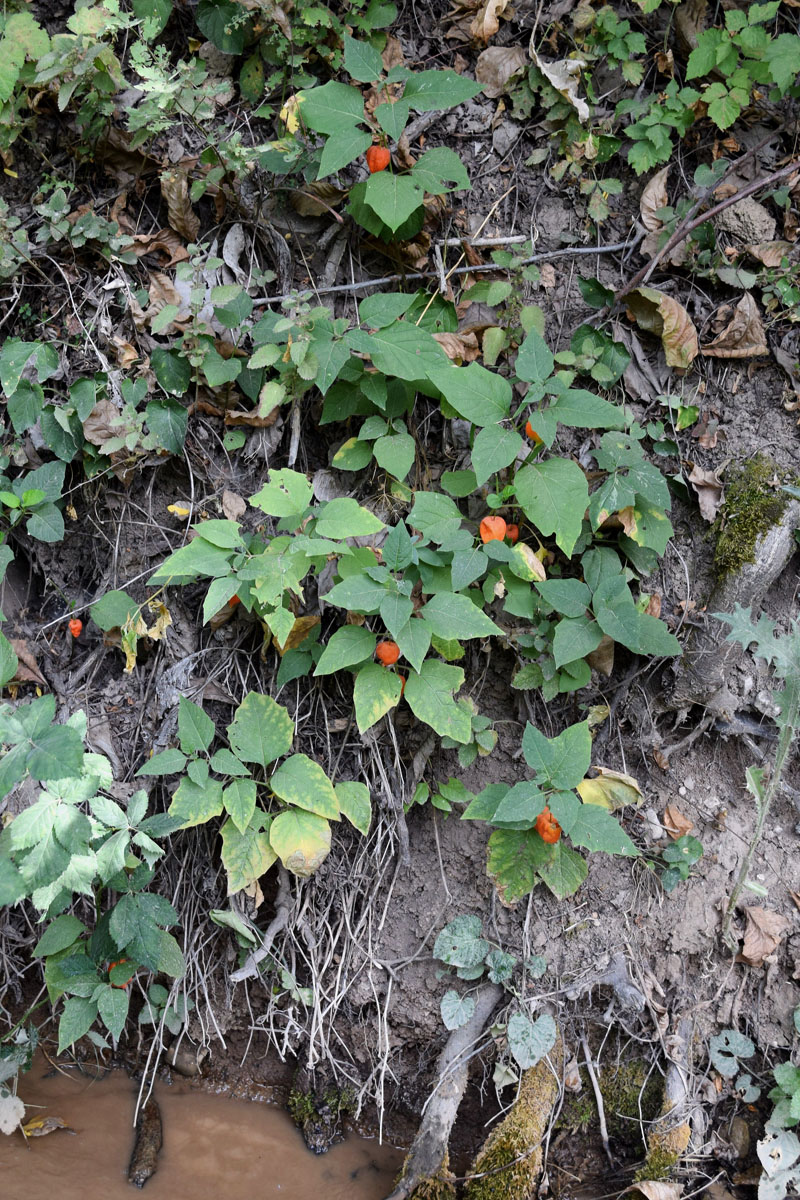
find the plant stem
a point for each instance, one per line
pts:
(788, 728)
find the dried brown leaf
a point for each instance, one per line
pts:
(27, 670)
(392, 53)
(660, 314)
(709, 492)
(650, 1190)
(675, 823)
(239, 417)
(102, 423)
(126, 354)
(706, 431)
(233, 505)
(316, 198)
(653, 198)
(665, 63)
(496, 66)
(743, 336)
(299, 631)
(661, 760)
(602, 659)
(164, 241)
(564, 76)
(182, 217)
(486, 21)
(763, 932)
(769, 253)
(459, 347)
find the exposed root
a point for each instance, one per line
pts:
(425, 1169)
(508, 1164)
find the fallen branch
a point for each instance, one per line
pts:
(426, 1161)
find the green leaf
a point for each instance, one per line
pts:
(440, 170)
(584, 410)
(519, 807)
(156, 11)
(402, 350)
(494, 448)
(726, 1048)
(396, 611)
(432, 91)
(564, 872)
(376, 691)
(384, 308)
(456, 1010)
(8, 660)
(76, 1020)
(287, 495)
(168, 421)
(60, 934)
(354, 803)
(352, 455)
(239, 799)
(414, 639)
(172, 370)
(478, 395)
(429, 694)
(782, 55)
(395, 454)
(342, 148)
(113, 610)
(12, 884)
(361, 60)
(514, 859)
(394, 198)
(55, 753)
(302, 782)
(560, 761)
(332, 108)
(397, 549)
(168, 762)
(467, 566)
(569, 597)
(393, 118)
(195, 728)
(15, 357)
(620, 619)
(554, 495)
(261, 731)
(461, 943)
(221, 21)
(435, 516)
(590, 826)
(25, 406)
(529, 1041)
(574, 638)
(169, 957)
(301, 840)
(348, 646)
(193, 804)
(535, 360)
(46, 524)
(112, 1005)
(246, 855)
(345, 518)
(451, 615)
(196, 559)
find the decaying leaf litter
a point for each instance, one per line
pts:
(636, 977)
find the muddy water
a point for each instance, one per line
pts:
(214, 1149)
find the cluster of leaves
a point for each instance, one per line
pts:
(779, 1149)
(518, 857)
(461, 946)
(76, 840)
(300, 800)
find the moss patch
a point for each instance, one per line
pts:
(752, 507)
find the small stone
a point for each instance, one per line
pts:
(739, 1137)
(689, 781)
(681, 790)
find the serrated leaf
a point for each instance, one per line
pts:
(112, 1007)
(261, 731)
(76, 1019)
(561, 761)
(429, 694)
(514, 861)
(564, 872)
(590, 826)
(554, 495)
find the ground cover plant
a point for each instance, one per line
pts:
(341, 520)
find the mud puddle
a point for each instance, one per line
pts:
(213, 1147)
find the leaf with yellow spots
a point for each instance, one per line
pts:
(611, 790)
(377, 690)
(246, 856)
(301, 840)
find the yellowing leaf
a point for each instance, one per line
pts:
(40, 1126)
(301, 840)
(528, 564)
(297, 634)
(611, 790)
(178, 510)
(288, 114)
(660, 314)
(163, 620)
(130, 640)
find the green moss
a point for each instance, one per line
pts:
(301, 1106)
(751, 509)
(659, 1164)
(632, 1094)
